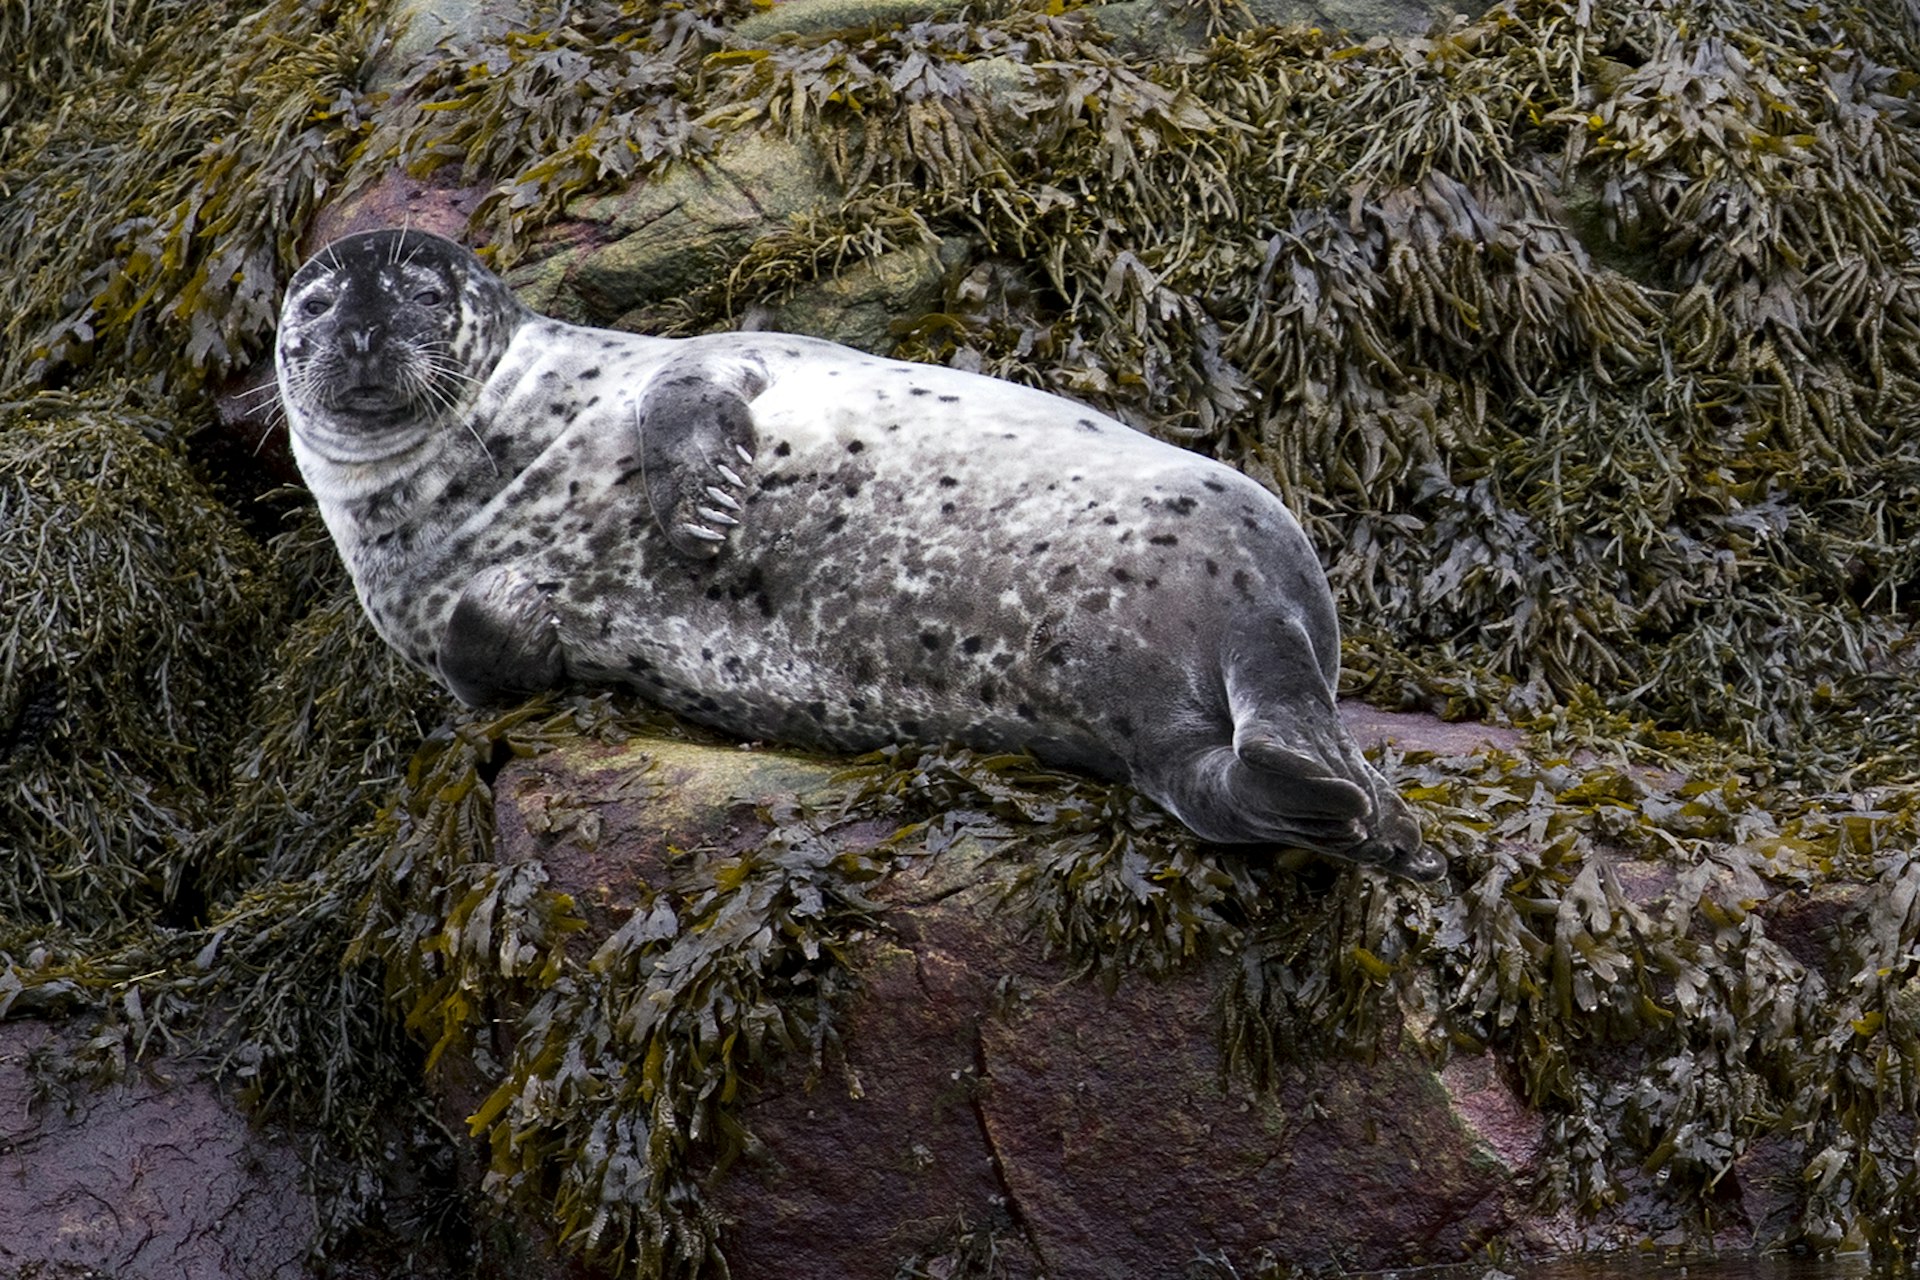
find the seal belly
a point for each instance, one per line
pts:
(892, 581)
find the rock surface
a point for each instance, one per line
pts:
(158, 1177)
(979, 1088)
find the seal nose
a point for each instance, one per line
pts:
(360, 340)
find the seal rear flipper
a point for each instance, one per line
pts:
(501, 644)
(697, 447)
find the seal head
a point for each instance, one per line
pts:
(386, 337)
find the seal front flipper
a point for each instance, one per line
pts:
(501, 644)
(697, 446)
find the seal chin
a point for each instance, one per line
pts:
(374, 439)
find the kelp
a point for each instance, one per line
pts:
(121, 673)
(204, 138)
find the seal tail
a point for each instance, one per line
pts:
(1288, 772)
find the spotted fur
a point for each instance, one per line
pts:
(792, 540)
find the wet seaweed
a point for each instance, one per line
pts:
(204, 143)
(130, 598)
(1584, 342)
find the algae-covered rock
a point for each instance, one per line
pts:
(132, 608)
(1583, 339)
(651, 245)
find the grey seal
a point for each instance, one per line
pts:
(789, 539)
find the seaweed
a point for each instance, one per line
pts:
(129, 597)
(1584, 343)
(205, 138)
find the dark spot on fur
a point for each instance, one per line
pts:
(1038, 547)
(1164, 540)
(918, 391)
(1025, 712)
(1125, 725)
(1213, 570)
(853, 488)
(816, 711)
(1182, 505)
(1214, 485)
(639, 665)
(855, 446)
(782, 449)
(1088, 424)
(1250, 522)
(948, 482)
(971, 644)
(949, 399)
(909, 728)
(836, 524)
(930, 641)
(1056, 656)
(1121, 575)
(590, 373)
(986, 693)
(1240, 583)
(946, 508)
(1110, 518)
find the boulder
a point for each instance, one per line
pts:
(980, 1095)
(158, 1176)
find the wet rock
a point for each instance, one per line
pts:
(868, 304)
(825, 17)
(658, 240)
(157, 1177)
(979, 1091)
(1151, 29)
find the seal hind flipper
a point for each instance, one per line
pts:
(500, 644)
(696, 449)
(1280, 768)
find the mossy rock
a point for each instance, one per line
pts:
(134, 604)
(660, 241)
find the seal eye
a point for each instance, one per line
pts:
(316, 307)
(429, 297)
